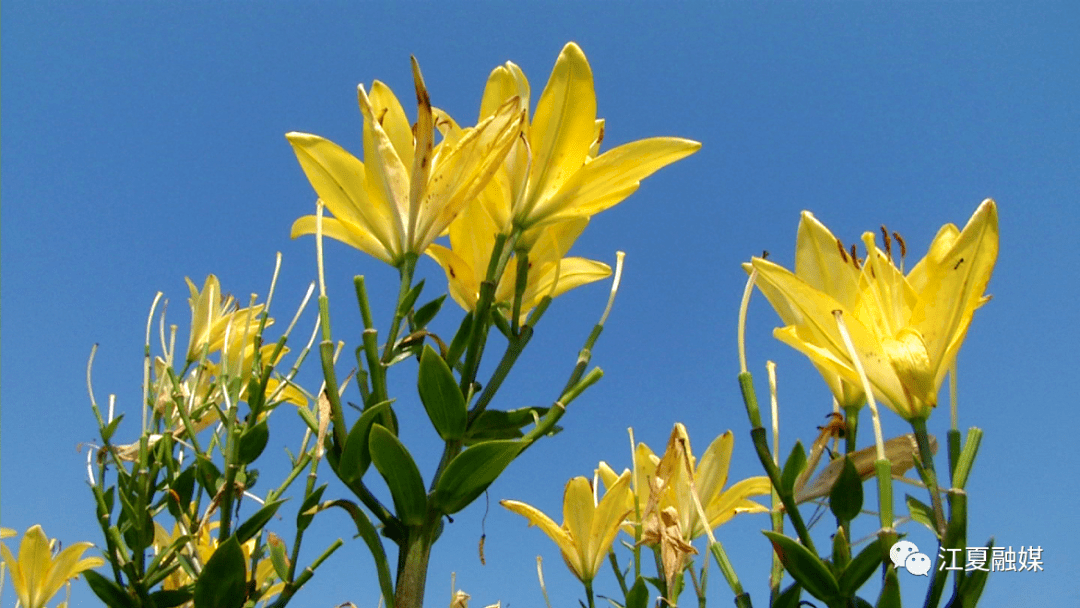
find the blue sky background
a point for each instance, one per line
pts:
(143, 143)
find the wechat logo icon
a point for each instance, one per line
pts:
(905, 554)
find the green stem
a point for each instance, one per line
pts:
(412, 568)
(407, 269)
(326, 352)
(761, 445)
(929, 477)
(514, 348)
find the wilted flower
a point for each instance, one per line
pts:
(906, 329)
(663, 483)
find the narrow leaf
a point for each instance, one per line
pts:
(472, 471)
(398, 468)
(441, 396)
(356, 457)
(846, 496)
(222, 583)
(253, 441)
(108, 591)
(794, 465)
(806, 568)
(254, 524)
(859, 570)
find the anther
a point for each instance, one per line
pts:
(855, 257)
(888, 242)
(903, 247)
(843, 254)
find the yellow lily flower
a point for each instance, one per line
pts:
(589, 527)
(36, 575)
(472, 241)
(212, 316)
(906, 329)
(407, 191)
(663, 484)
(823, 266)
(555, 173)
(201, 549)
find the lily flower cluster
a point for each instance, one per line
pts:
(529, 183)
(666, 503)
(906, 329)
(218, 325)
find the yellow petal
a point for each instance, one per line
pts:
(505, 82)
(386, 176)
(611, 177)
(607, 520)
(820, 261)
(955, 287)
(340, 180)
(562, 129)
(463, 283)
(387, 109)
(354, 235)
(425, 154)
(539, 519)
(736, 500)
(67, 565)
(462, 172)
(35, 558)
(578, 513)
(712, 472)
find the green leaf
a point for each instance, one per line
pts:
(806, 568)
(460, 341)
(169, 598)
(971, 588)
(278, 556)
(638, 596)
(441, 396)
(499, 424)
(846, 495)
(890, 591)
(108, 591)
(398, 468)
(253, 442)
(356, 457)
(110, 429)
(427, 312)
(794, 465)
(183, 485)
(841, 550)
(410, 299)
(920, 512)
(209, 476)
(789, 598)
(222, 583)
(367, 531)
(254, 524)
(472, 471)
(860, 569)
(304, 516)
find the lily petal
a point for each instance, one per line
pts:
(562, 129)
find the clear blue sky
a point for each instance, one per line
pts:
(143, 142)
